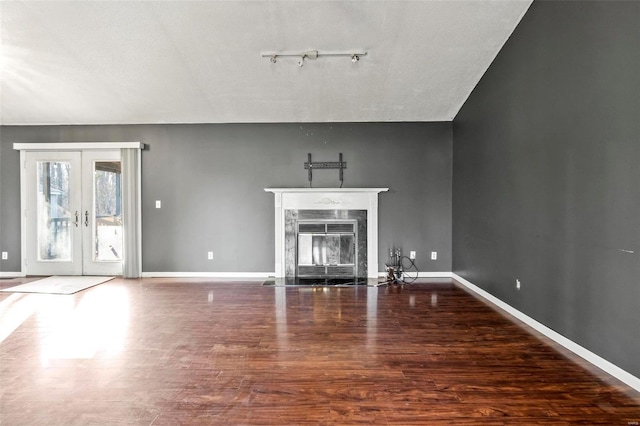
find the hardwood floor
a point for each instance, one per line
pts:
(170, 352)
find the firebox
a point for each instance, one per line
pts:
(326, 248)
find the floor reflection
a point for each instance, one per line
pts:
(14, 310)
(321, 307)
(372, 316)
(281, 317)
(97, 324)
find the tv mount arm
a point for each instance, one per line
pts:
(341, 165)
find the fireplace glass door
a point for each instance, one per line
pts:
(326, 249)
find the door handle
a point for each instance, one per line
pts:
(77, 218)
(86, 218)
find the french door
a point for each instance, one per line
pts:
(73, 213)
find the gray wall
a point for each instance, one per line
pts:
(210, 179)
(547, 171)
(9, 207)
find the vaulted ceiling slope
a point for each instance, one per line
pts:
(112, 62)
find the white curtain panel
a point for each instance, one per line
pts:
(132, 265)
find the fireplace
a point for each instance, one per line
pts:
(326, 249)
(326, 232)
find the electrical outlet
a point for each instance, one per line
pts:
(517, 284)
(158, 204)
(5, 255)
(434, 255)
(412, 255)
(210, 255)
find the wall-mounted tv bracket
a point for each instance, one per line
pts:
(341, 165)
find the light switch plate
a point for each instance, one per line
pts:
(158, 204)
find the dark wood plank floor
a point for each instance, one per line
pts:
(170, 352)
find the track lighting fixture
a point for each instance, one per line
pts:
(310, 54)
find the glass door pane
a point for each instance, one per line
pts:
(107, 232)
(54, 216)
(102, 242)
(332, 242)
(53, 240)
(347, 249)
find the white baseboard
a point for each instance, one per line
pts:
(582, 352)
(432, 274)
(214, 275)
(259, 275)
(12, 275)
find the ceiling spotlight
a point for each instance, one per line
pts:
(355, 58)
(311, 54)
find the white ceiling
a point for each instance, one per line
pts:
(200, 61)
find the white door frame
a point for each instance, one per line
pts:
(63, 146)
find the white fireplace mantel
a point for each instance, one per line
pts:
(327, 199)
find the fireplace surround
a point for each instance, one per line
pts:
(322, 206)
